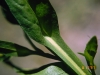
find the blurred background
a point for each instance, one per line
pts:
(77, 19)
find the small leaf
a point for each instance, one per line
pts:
(90, 51)
(7, 49)
(11, 49)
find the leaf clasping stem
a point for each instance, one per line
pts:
(64, 56)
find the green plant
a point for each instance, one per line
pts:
(38, 20)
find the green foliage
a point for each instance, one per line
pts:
(45, 69)
(90, 52)
(39, 21)
(9, 49)
(51, 70)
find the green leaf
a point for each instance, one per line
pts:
(61, 65)
(90, 52)
(27, 18)
(51, 70)
(8, 49)
(11, 49)
(43, 28)
(58, 68)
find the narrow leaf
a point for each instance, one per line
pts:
(12, 49)
(57, 68)
(51, 70)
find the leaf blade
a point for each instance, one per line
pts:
(12, 49)
(90, 52)
(29, 22)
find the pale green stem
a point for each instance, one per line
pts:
(64, 56)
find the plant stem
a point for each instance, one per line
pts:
(64, 56)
